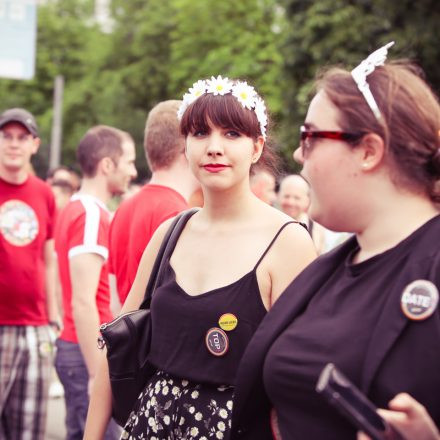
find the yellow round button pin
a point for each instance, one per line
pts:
(228, 322)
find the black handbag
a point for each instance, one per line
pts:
(128, 337)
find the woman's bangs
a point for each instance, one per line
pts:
(222, 111)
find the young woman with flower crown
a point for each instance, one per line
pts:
(370, 150)
(231, 263)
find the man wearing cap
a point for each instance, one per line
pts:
(27, 281)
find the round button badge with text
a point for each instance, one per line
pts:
(419, 299)
(216, 341)
(228, 322)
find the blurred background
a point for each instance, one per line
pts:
(118, 58)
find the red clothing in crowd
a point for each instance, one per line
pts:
(27, 214)
(82, 228)
(133, 226)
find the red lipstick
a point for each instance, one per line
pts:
(214, 167)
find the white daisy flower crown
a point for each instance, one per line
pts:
(241, 90)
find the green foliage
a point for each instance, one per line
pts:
(64, 40)
(158, 48)
(329, 32)
(235, 39)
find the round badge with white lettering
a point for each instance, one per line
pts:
(419, 299)
(228, 322)
(216, 341)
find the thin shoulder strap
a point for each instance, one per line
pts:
(166, 248)
(310, 226)
(273, 241)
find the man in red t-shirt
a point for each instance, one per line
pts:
(166, 194)
(106, 156)
(27, 281)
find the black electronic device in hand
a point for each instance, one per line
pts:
(353, 404)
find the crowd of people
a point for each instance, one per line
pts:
(340, 264)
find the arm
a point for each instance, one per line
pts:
(410, 418)
(293, 251)
(85, 271)
(100, 402)
(51, 278)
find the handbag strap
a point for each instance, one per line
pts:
(166, 248)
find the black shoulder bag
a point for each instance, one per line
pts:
(128, 337)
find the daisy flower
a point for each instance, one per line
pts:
(223, 414)
(260, 111)
(219, 85)
(245, 94)
(198, 89)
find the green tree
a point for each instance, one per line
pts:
(234, 39)
(65, 38)
(237, 39)
(344, 32)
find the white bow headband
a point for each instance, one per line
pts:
(367, 66)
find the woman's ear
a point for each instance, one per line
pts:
(371, 151)
(258, 149)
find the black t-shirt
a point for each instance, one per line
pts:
(337, 326)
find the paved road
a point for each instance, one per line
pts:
(55, 419)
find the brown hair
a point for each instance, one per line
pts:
(99, 142)
(226, 112)
(163, 141)
(410, 125)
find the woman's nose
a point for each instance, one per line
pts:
(298, 155)
(214, 147)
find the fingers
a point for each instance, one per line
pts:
(404, 402)
(393, 416)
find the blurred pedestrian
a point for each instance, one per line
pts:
(62, 191)
(294, 200)
(65, 174)
(234, 258)
(106, 156)
(165, 195)
(370, 150)
(27, 281)
(263, 185)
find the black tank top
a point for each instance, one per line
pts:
(180, 323)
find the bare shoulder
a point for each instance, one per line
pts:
(291, 252)
(160, 233)
(294, 236)
(277, 219)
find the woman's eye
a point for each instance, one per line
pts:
(199, 133)
(233, 134)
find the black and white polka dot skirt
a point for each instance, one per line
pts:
(171, 408)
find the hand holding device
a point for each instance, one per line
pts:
(353, 404)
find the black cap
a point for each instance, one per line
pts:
(21, 116)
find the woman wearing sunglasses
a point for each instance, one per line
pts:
(370, 150)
